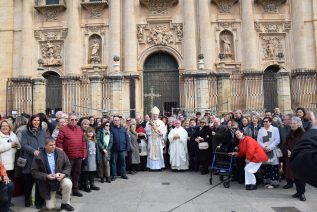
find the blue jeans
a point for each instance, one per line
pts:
(114, 160)
(5, 207)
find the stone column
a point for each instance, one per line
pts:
(190, 49)
(74, 46)
(130, 39)
(224, 92)
(298, 30)
(96, 94)
(114, 35)
(202, 91)
(39, 95)
(189, 91)
(27, 63)
(206, 39)
(284, 91)
(116, 88)
(249, 36)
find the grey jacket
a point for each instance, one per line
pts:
(30, 143)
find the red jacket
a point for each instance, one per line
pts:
(72, 141)
(252, 150)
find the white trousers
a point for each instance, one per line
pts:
(66, 186)
(249, 171)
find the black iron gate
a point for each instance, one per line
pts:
(53, 93)
(270, 87)
(161, 83)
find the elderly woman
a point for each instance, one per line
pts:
(254, 157)
(135, 157)
(253, 128)
(9, 144)
(61, 123)
(269, 139)
(291, 140)
(33, 138)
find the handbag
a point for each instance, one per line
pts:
(21, 162)
(279, 153)
(203, 146)
(4, 194)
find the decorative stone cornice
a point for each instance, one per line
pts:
(272, 27)
(303, 72)
(223, 75)
(224, 6)
(95, 29)
(21, 79)
(51, 34)
(270, 6)
(94, 8)
(71, 77)
(158, 7)
(50, 11)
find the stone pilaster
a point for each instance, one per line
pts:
(206, 38)
(130, 37)
(298, 30)
(96, 94)
(249, 36)
(202, 91)
(189, 91)
(117, 96)
(115, 33)
(190, 49)
(39, 95)
(284, 91)
(224, 93)
(74, 46)
(27, 62)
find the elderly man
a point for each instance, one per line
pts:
(51, 169)
(178, 147)
(54, 123)
(71, 139)
(238, 117)
(120, 146)
(155, 130)
(220, 136)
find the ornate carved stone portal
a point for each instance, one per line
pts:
(270, 6)
(158, 7)
(224, 6)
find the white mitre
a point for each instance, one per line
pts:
(155, 111)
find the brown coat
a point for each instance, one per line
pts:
(292, 138)
(40, 172)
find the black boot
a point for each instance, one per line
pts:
(102, 180)
(108, 180)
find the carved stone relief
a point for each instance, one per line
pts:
(221, 25)
(94, 53)
(158, 7)
(94, 8)
(160, 35)
(224, 6)
(270, 6)
(98, 29)
(51, 14)
(273, 47)
(51, 52)
(272, 27)
(51, 34)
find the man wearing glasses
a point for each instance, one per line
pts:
(121, 145)
(71, 139)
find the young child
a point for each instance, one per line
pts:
(90, 164)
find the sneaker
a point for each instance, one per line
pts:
(77, 194)
(67, 207)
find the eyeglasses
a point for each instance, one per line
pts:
(73, 119)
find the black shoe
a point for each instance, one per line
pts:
(67, 207)
(124, 177)
(288, 185)
(27, 203)
(77, 194)
(247, 187)
(10, 210)
(102, 180)
(108, 180)
(87, 189)
(39, 206)
(113, 178)
(11, 204)
(251, 187)
(296, 195)
(302, 197)
(95, 188)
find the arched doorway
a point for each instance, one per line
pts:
(53, 92)
(160, 82)
(270, 87)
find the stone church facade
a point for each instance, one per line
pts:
(124, 56)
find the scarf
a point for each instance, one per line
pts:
(35, 131)
(267, 134)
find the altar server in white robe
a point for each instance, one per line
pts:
(178, 147)
(155, 130)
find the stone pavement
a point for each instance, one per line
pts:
(166, 190)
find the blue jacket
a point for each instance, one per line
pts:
(121, 139)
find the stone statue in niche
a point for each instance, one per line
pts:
(94, 49)
(226, 45)
(51, 53)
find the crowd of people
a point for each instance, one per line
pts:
(67, 154)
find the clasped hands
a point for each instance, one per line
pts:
(57, 176)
